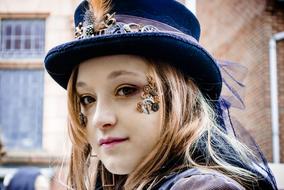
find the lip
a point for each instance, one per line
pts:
(111, 141)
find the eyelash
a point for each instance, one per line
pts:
(86, 99)
(132, 89)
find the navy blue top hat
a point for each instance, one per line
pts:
(163, 29)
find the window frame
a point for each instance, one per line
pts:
(23, 63)
(22, 44)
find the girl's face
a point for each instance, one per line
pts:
(109, 89)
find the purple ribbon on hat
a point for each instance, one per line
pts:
(233, 75)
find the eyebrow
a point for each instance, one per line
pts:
(115, 74)
(112, 75)
(80, 84)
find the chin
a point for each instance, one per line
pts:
(118, 169)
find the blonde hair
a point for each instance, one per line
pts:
(190, 137)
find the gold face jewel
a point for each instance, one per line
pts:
(140, 107)
(147, 88)
(150, 99)
(82, 119)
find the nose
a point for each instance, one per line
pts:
(104, 116)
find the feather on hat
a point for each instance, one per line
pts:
(98, 9)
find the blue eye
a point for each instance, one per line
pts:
(126, 91)
(85, 100)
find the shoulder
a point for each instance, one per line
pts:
(209, 180)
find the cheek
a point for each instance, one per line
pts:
(92, 131)
(144, 132)
(140, 125)
(147, 134)
(92, 136)
(143, 129)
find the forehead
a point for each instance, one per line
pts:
(112, 66)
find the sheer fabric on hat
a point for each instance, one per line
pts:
(233, 75)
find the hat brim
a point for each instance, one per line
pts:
(185, 54)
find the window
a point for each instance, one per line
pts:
(22, 38)
(21, 89)
(21, 100)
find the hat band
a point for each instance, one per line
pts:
(122, 24)
(144, 21)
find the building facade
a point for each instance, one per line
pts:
(33, 113)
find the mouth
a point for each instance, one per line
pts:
(111, 141)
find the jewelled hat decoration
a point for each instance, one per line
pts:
(98, 21)
(162, 29)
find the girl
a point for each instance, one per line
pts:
(144, 103)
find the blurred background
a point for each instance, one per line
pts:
(33, 110)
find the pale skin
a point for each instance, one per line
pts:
(109, 88)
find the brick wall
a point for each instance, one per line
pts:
(239, 31)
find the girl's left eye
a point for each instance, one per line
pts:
(126, 91)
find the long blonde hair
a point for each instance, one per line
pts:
(190, 137)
